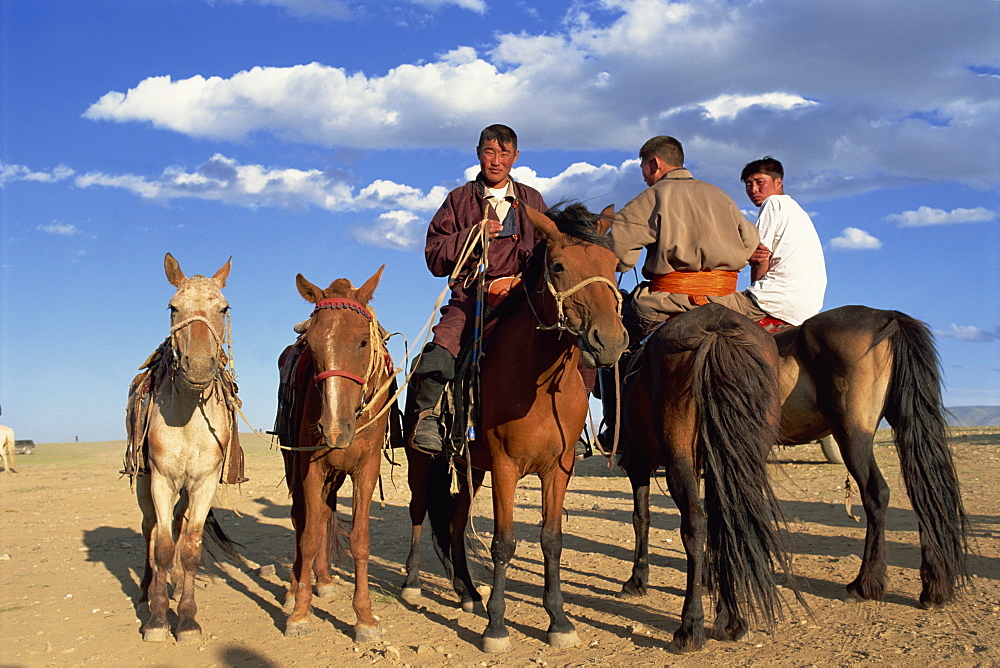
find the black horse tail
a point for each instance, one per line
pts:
(735, 390)
(914, 409)
(217, 543)
(439, 510)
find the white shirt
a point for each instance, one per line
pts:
(793, 288)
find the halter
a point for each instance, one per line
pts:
(560, 297)
(220, 342)
(366, 311)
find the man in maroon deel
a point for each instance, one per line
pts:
(497, 198)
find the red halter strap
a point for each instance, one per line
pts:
(320, 377)
(337, 303)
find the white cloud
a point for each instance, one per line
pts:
(852, 238)
(925, 216)
(12, 173)
(478, 6)
(225, 180)
(620, 71)
(970, 333)
(394, 229)
(59, 229)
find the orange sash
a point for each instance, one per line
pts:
(696, 284)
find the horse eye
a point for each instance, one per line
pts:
(364, 343)
(172, 308)
(225, 309)
(557, 267)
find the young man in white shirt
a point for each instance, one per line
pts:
(787, 270)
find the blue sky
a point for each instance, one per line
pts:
(319, 136)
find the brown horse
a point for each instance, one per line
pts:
(338, 426)
(182, 432)
(700, 399)
(532, 405)
(842, 371)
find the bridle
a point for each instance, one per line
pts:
(175, 362)
(377, 346)
(560, 297)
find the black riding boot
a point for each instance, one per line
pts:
(434, 369)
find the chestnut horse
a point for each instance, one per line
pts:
(532, 406)
(841, 372)
(182, 434)
(700, 399)
(338, 426)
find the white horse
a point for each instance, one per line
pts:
(181, 422)
(7, 449)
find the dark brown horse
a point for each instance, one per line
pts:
(338, 424)
(841, 372)
(532, 406)
(701, 400)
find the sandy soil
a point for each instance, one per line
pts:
(72, 558)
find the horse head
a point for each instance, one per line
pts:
(343, 336)
(197, 323)
(578, 273)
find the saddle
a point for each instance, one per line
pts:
(141, 394)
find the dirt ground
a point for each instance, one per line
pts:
(71, 559)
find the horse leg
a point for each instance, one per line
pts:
(859, 457)
(496, 637)
(145, 500)
(561, 632)
(199, 502)
(682, 482)
(163, 497)
(416, 475)
(461, 580)
(639, 475)
(314, 514)
(366, 628)
(325, 586)
(179, 528)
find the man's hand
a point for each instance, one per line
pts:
(760, 262)
(493, 228)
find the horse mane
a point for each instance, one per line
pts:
(573, 219)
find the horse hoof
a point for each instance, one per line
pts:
(494, 645)
(367, 634)
(411, 595)
(326, 590)
(631, 591)
(564, 640)
(156, 635)
(474, 607)
(189, 636)
(297, 629)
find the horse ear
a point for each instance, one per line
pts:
(366, 291)
(223, 273)
(545, 225)
(173, 270)
(606, 219)
(309, 292)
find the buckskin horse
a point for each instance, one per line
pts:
(841, 372)
(337, 423)
(181, 426)
(700, 399)
(532, 407)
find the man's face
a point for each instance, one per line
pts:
(495, 162)
(760, 186)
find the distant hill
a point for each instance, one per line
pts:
(974, 416)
